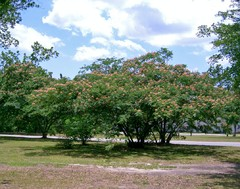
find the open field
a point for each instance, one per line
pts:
(36, 163)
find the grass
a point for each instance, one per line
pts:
(24, 161)
(212, 138)
(26, 152)
(39, 178)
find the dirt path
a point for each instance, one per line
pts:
(176, 169)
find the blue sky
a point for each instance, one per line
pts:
(84, 30)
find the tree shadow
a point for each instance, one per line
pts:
(172, 152)
(98, 150)
(6, 138)
(121, 150)
(227, 180)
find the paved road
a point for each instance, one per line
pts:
(183, 142)
(202, 143)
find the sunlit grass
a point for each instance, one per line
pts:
(37, 163)
(211, 138)
(27, 152)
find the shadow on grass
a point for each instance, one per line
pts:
(177, 153)
(228, 180)
(6, 138)
(98, 150)
(120, 150)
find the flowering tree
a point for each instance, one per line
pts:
(17, 81)
(50, 104)
(232, 113)
(147, 95)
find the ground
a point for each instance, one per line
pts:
(91, 176)
(37, 163)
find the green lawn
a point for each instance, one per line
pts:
(25, 152)
(38, 163)
(211, 138)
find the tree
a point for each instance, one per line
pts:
(227, 41)
(38, 55)
(19, 78)
(17, 81)
(232, 113)
(147, 96)
(10, 15)
(79, 127)
(103, 65)
(51, 104)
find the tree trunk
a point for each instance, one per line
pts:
(163, 132)
(234, 130)
(44, 135)
(163, 138)
(155, 139)
(83, 141)
(169, 138)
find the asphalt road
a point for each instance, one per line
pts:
(202, 143)
(183, 142)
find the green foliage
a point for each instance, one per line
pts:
(147, 95)
(18, 81)
(79, 128)
(10, 15)
(227, 42)
(103, 65)
(50, 104)
(138, 97)
(39, 54)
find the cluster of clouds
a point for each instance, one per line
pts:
(115, 28)
(27, 36)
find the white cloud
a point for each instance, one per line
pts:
(100, 41)
(207, 46)
(27, 36)
(156, 22)
(121, 44)
(85, 53)
(128, 44)
(85, 16)
(119, 50)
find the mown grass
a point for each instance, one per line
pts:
(211, 138)
(25, 152)
(22, 155)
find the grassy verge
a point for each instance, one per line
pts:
(212, 138)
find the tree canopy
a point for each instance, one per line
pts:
(144, 98)
(10, 15)
(227, 42)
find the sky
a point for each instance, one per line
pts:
(85, 30)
